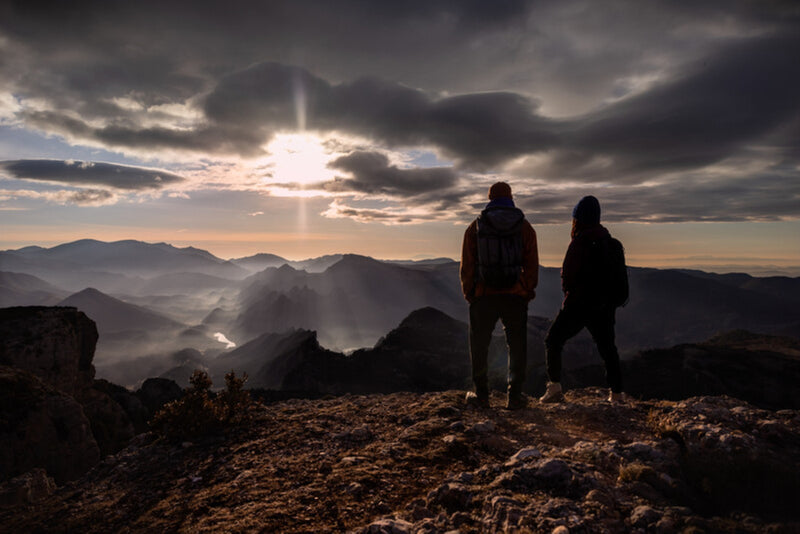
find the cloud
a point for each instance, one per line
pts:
(84, 172)
(372, 174)
(479, 129)
(763, 197)
(388, 215)
(709, 111)
(643, 106)
(82, 197)
(712, 111)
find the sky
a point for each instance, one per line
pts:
(310, 127)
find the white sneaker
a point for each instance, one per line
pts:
(615, 398)
(553, 393)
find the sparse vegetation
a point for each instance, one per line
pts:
(200, 412)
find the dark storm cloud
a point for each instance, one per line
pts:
(80, 172)
(372, 174)
(705, 115)
(479, 129)
(764, 197)
(160, 52)
(711, 112)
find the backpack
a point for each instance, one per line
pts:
(500, 249)
(608, 256)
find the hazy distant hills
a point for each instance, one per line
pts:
(350, 304)
(358, 299)
(262, 261)
(669, 307)
(763, 370)
(18, 289)
(153, 300)
(113, 266)
(113, 315)
(426, 351)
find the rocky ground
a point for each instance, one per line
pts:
(421, 463)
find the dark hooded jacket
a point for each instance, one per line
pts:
(579, 279)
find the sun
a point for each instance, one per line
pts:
(298, 158)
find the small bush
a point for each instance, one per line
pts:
(200, 412)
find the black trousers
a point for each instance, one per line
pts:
(600, 323)
(484, 312)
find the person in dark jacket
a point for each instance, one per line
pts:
(499, 291)
(585, 303)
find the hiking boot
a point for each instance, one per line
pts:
(553, 393)
(479, 401)
(615, 397)
(516, 402)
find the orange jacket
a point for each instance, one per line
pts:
(528, 280)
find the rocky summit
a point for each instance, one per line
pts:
(425, 463)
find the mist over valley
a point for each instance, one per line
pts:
(165, 311)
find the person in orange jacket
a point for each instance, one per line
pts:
(499, 274)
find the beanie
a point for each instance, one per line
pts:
(500, 189)
(587, 211)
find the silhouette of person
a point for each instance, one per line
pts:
(586, 303)
(499, 273)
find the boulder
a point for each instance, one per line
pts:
(54, 343)
(27, 488)
(111, 426)
(42, 427)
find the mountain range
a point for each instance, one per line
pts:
(154, 300)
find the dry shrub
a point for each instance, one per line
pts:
(200, 412)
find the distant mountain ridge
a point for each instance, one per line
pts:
(19, 289)
(351, 300)
(119, 262)
(114, 315)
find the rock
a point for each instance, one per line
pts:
(526, 453)
(484, 427)
(464, 478)
(56, 344)
(43, 427)
(551, 475)
(643, 516)
(156, 392)
(449, 412)
(561, 529)
(354, 488)
(361, 433)
(388, 526)
(287, 473)
(353, 460)
(111, 426)
(27, 488)
(600, 497)
(452, 496)
(133, 406)
(460, 519)
(457, 426)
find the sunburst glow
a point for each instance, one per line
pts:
(298, 159)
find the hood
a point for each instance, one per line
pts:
(503, 218)
(594, 233)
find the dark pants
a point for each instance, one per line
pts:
(484, 312)
(600, 323)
